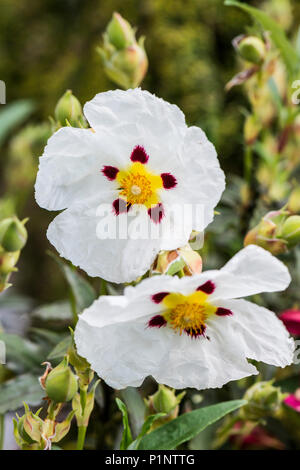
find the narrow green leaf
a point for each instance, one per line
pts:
(288, 53)
(61, 348)
(145, 428)
(127, 436)
(12, 115)
(186, 426)
(136, 408)
(22, 351)
(57, 313)
(84, 294)
(24, 388)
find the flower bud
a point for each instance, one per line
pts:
(13, 234)
(263, 400)
(291, 320)
(267, 233)
(61, 384)
(293, 204)
(119, 32)
(183, 259)
(124, 59)
(252, 49)
(290, 231)
(30, 426)
(164, 401)
(68, 110)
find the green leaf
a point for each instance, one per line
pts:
(22, 351)
(57, 312)
(61, 348)
(288, 53)
(12, 115)
(136, 408)
(84, 294)
(187, 426)
(127, 436)
(24, 388)
(145, 428)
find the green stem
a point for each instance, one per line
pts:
(1, 432)
(81, 437)
(73, 307)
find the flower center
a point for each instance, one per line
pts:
(138, 185)
(188, 317)
(136, 188)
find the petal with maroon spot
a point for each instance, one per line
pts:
(110, 172)
(139, 154)
(156, 213)
(120, 206)
(223, 312)
(169, 181)
(159, 297)
(208, 287)
(158, 321)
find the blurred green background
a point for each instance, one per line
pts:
(47, 47)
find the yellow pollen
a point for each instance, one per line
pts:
(187, 316)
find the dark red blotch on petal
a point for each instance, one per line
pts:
(156, 213)
(223, 312)
(208, 287)
(158, 321)
(110, 172)
(196, 332)
(120, 206)
(139, 155)
(159, 297)
(169, 181)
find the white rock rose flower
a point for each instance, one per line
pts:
(189, 332)
(141, 161)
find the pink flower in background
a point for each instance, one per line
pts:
(294, 400)
(291, 319)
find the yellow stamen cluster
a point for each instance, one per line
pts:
(188, 312)
(138, 185)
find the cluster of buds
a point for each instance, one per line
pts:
(124, 59)
(277, 232)
(13, 237)
(68, 112)
(68, 382)
(34, 433)
(183, 261)
(264, 400)
(163, 401)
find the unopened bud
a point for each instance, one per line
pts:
(13, 234)
(252, 49)
(61, 384)
(30, 426)
(119, 32)
(290, 231)
(267, 233)
(164, 401)
(293, 204)
(263, 400)
(68, 110)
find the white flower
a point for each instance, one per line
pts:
(141, 160)
(188, 332)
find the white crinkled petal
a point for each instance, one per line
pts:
(74, 234)
(251, 271)
(257, 333)
(201, 181)
(70, 168)
(112, 107)
(124, 353)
